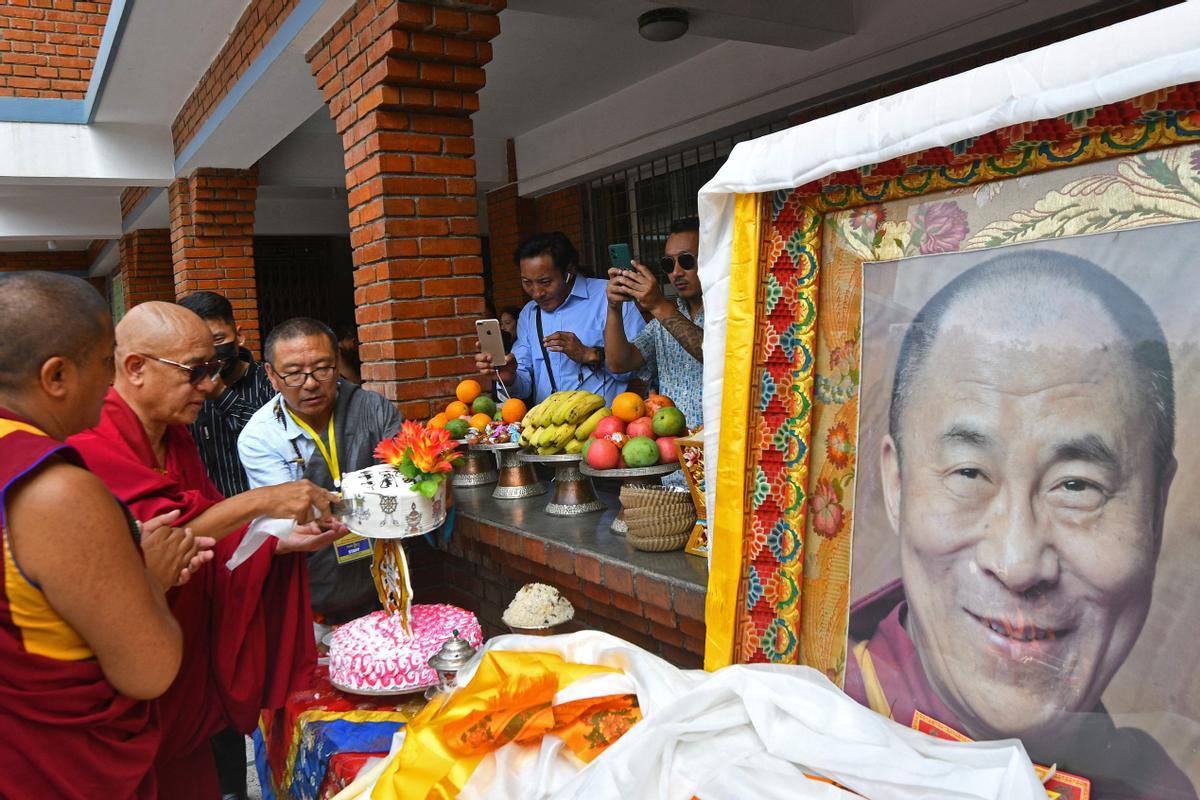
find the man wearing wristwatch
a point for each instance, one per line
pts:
(560, 332)
(670, 351)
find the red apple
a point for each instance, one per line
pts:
(656, 401)
(667, 452)
(608, 426)
(603, 454)
(642, 426)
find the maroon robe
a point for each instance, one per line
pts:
(248, 636)
(1122, 763)
(65, 732)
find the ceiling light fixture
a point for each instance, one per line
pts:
(51, 244)
(663, 24)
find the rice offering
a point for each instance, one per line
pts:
(538, 606)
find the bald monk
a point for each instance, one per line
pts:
(86, 637)
(248, 632)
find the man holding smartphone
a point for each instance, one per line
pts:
(560, 333)
(670, 350)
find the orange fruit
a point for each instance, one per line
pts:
(479, 421)
(468, 390)
(513, 410)
(456, 409)
(438, 421)
(628, 406)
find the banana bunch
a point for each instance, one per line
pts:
(557, 424)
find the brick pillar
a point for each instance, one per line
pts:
(401, 80)
(563, 211)
(212, 240)
(146, 271)
(511, 218)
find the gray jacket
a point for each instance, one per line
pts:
(361, 420)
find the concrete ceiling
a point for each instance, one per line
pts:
(155, 68)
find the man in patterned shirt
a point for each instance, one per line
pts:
(243, 389)
(670, 349)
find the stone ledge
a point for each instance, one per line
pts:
(654, 600)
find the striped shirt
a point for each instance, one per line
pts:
(220, 423)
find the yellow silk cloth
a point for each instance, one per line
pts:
(509, 699)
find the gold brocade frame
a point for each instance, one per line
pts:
(762, 604)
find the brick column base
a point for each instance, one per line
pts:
(401, 79)
(212, 240)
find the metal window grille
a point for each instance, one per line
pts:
(637, 204)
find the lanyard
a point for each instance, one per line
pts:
(330, 454)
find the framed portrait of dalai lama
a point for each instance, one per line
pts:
(968, 495)
(1023, 502)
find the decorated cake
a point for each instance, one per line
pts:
(406, 494)
(375, 654)
(379, 503)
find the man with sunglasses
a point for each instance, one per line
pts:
(247, 632)
(670, 350)
(319, 428)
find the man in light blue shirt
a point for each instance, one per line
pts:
(560, 333)
(318, 428)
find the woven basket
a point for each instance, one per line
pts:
(639, 496)
(667, 523)
(646, 514)
(657, 544)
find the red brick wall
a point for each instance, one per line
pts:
(146, 269)
(257, 25)
(131, 197)
(484, 566)
(73, 260)
(48, 47)
(212, 240)
(562, 211)
(400, 79)
(510, 219)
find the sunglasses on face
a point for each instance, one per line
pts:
(196, 372)
(686, 261)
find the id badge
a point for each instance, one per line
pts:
(352, 547)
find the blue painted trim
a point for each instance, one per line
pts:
(73, 112)
(142, 205)
(42, 109)
(291, 26)
(114, 26)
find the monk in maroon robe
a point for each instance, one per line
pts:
(86, 638)
(248, 638)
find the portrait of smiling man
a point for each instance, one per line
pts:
(1024, 467)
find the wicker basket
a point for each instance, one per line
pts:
(639, 496)
(657, 544)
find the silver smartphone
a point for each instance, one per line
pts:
(490, 340)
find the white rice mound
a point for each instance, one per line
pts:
(538, 606)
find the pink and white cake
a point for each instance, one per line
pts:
(374, 654)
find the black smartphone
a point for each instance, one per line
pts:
(620, 256)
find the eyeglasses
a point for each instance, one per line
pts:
(294, 379)
(686, 261)
(197, 373)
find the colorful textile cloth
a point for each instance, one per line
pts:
(884, 672)
(66, 732)
(247, 633)
(295, 747)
